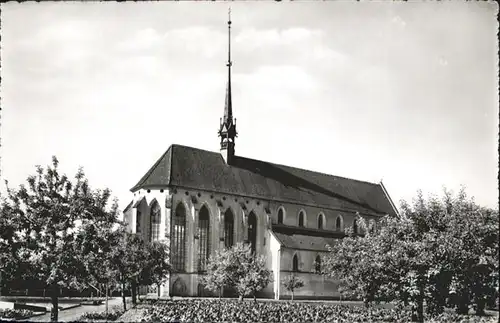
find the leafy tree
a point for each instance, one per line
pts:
(48, 214)
(292, 283)
(255, 278)
(95, 245)
(155, 269)
(240, 268)
(217, 276)
(9, 245)
(127, 258)
(359, 263)
(440, 250)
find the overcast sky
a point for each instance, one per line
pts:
(406, 92)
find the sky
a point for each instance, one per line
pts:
(406, 92)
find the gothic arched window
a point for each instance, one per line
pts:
(138, 220)
(295, 263)
(155, 222)
(228, 229)
(338, 223)
(317, 264)
(302, 218)
(178, 242)
(320, 221)
(281, 215)
(204, 236)
(252, 231)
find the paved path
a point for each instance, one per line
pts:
(73, 314)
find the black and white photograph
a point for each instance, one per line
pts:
(249, 161)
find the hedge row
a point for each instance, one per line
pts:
(249, 311)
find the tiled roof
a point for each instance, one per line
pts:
(205, 170)
(305, 239)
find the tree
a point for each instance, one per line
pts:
(217, 276)
(9, 245)
(48, 214)
(127, 258)
(359, 263)
(95, 245)
(439, 251)
(156, 267)
(237, 267)
(256, 276)
(292, 283)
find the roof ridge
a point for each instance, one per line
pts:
(282, 165)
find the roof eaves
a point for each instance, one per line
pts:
(169, 181)
(378, 213)
(128, 206)
(390, 200)
(305, 249)
(291, 230)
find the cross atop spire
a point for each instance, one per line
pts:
(227, 130)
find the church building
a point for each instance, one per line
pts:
(200, 201)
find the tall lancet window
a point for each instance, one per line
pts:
(317, 264)
(155, 222)
(320, 221)
(355, 226)
(252, 231)
(204, 244)
(138, 221)
(338, 223)
(302, 217)
(178, 236)
(295, 263)
(280, 216)
(228, 229)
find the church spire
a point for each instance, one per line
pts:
(228, 108)
(227, 130)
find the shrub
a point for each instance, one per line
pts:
(14, 314)
(111, 316)
(213, 310)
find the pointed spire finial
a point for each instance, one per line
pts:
(228, 109)
(229, 63)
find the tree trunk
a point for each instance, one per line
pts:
(123, 297)
(480, 306)
(254, 297)
(420, 300)
(463, 302)
(220, 292)
(54, 313)
(159, 291)
(240, 298)
(107, 300)
(292, 295)
(134, 292)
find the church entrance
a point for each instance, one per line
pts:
(179, 288)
